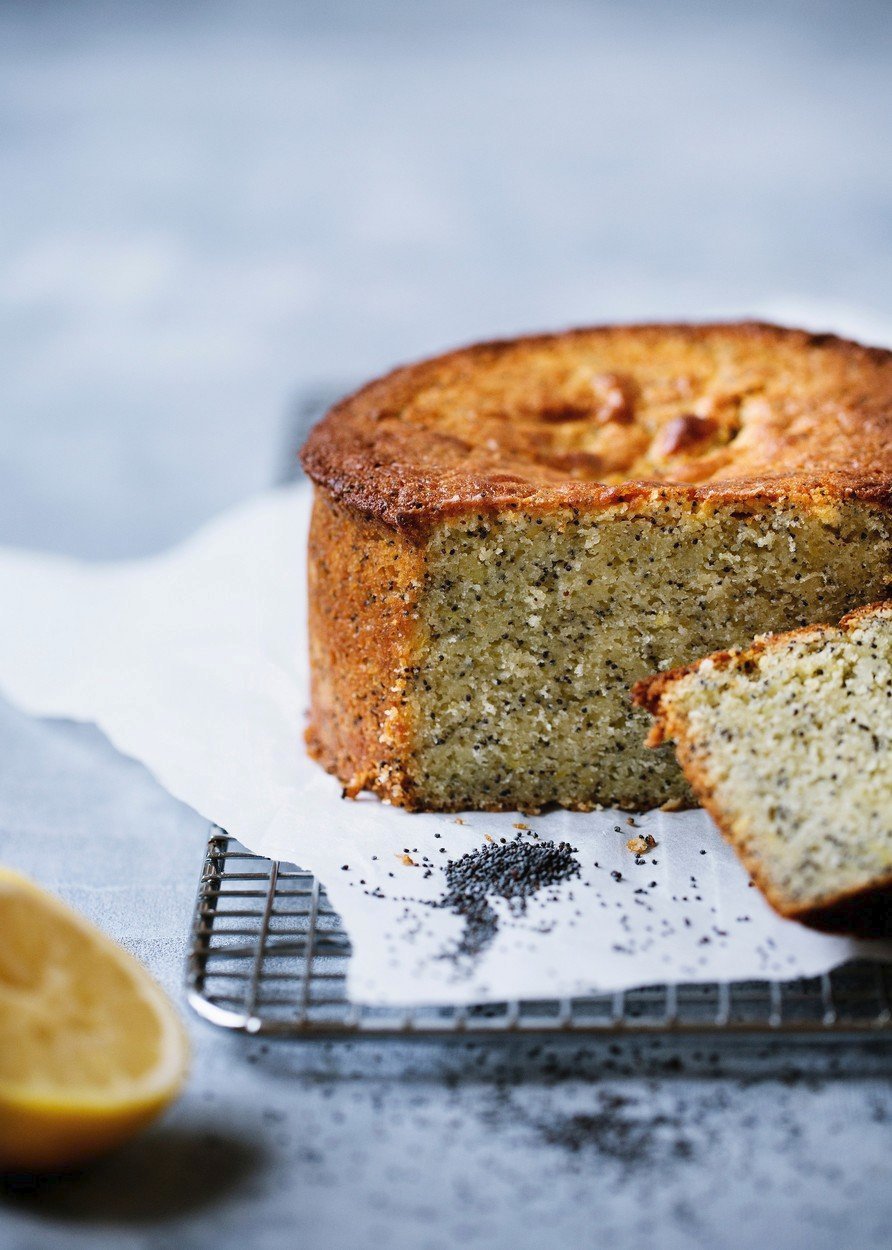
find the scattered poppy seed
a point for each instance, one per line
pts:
(513, 871)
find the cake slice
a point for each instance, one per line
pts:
(788, 744)
(507, 537)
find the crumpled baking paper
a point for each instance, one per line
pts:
(194, 663)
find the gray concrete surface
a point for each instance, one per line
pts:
(206, 210)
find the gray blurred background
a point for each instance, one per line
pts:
(207, 207)
(210, 212)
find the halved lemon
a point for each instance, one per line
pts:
(91, 1049)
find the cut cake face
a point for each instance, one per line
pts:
(489, 664)
(788, 743)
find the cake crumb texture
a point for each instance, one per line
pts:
(788, 743)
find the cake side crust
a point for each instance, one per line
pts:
(364, 583)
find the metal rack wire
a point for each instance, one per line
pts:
(269, 955)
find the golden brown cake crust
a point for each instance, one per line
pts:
(863, 912)
(363, 589)
(597, 417)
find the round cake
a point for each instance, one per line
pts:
(506, 538)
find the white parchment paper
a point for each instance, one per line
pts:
(193, 663)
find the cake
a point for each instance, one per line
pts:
(505, 538)
(788, 744)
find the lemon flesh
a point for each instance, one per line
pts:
(91, 1049)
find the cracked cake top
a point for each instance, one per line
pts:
(614, 414)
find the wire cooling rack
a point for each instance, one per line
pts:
(269, 955)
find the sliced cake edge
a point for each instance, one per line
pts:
(814, 831)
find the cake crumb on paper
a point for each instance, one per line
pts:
(641, 845)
